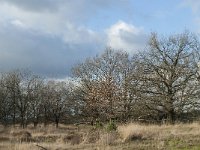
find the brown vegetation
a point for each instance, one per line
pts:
(129, 136)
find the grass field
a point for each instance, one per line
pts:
(83, 137)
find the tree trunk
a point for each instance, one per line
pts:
(22, 122)
(35, 124)
(171, 116)
(57, 122)
(14, 115)
(45, 117)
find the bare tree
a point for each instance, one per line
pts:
(35, 97)
(58, 100)
(129, 85)
(75, 103)
(168, 74)
(101, 79)
(46, 104)
(4, 103)
(17, 94)
(11, 81)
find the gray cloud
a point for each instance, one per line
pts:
(45, 55)
(49, 36)
(82, 8)
(35, 5)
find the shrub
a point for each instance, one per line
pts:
(98, 125)
(111, 126)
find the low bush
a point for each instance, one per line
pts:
(111, 126)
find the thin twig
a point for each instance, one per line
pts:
(41, 147)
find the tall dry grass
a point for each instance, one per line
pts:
(138, 131)
(178, 136)
(130, 136)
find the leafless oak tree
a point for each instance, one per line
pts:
(169, 74)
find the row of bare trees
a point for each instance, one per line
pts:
(160, 82)
(27, 98)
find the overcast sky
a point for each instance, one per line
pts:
(50, 36)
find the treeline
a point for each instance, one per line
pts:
(159, 83)
(26, 98)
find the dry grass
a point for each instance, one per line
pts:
(127, 137)
(176, 136)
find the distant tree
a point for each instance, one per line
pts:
(57, 98)
(35, 96)
(18, 96)
(46, 104)
(4, 103)
(24, 93)
(11, 81)
(76, 105)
